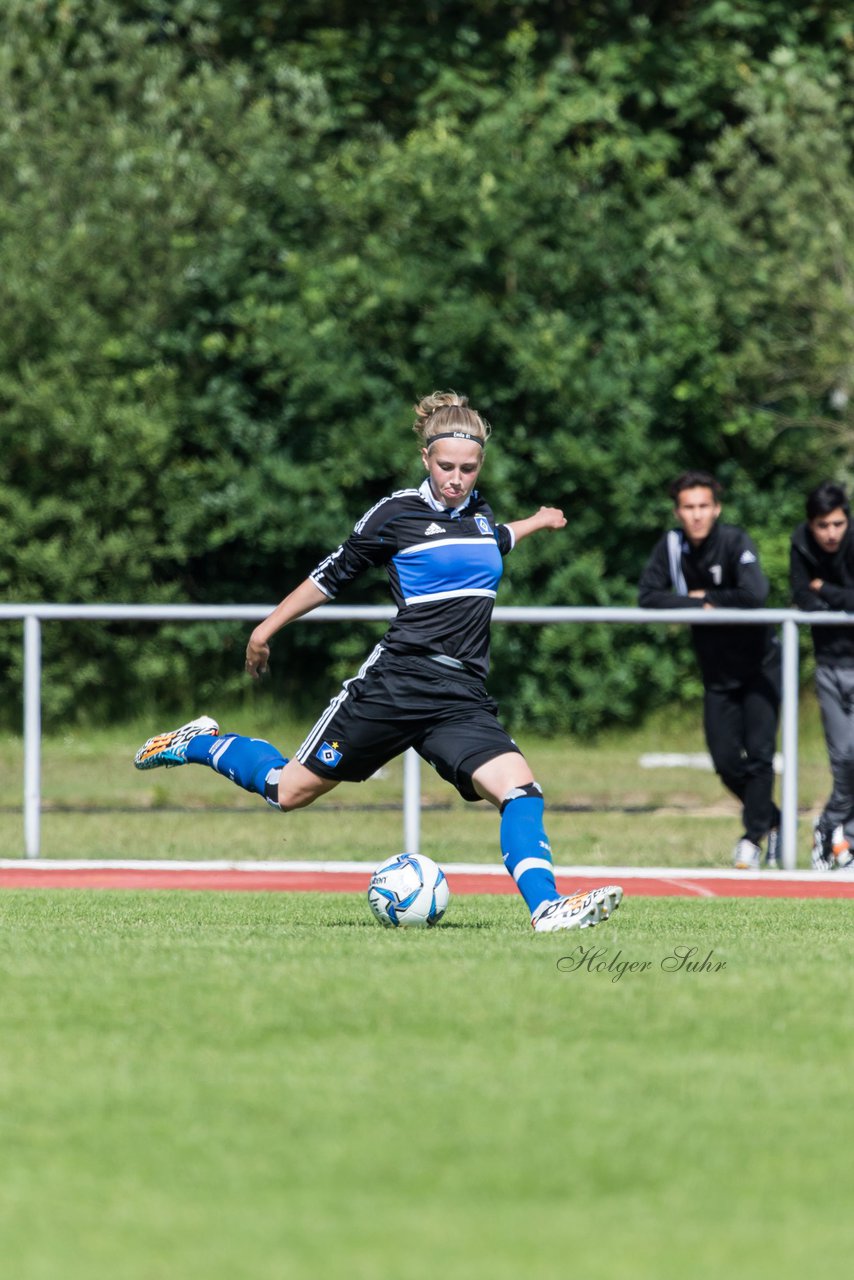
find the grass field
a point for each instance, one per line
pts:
(603, 808)
(264, 1086)
(270, 1086)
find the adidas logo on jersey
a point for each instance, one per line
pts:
(433, 528)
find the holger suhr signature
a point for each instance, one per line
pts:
(681, 959)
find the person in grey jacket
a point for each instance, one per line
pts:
(821, 574)
(709, 565)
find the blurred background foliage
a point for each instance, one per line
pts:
(238, 241)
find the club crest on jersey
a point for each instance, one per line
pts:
(328, 754)
(483, 524)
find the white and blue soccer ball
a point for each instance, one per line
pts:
(408, 891)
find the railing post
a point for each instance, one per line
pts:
(411, 801)
(32, 734)
(789, 797)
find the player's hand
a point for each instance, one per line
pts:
(257, 658)
(551, 518)
(699, 594)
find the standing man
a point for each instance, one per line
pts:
(704, 564)
(821, 573)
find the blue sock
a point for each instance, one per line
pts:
(525, 846)
(246, 761)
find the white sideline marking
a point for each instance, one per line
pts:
(699, 889)
(676, 875)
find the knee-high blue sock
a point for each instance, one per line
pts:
(246, 761)
(525, 846)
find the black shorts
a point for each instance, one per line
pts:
(396, 702)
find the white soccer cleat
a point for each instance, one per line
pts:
(578, 911)
(166, 750)
(747, 856)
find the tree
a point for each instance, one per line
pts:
(238, 244)
(137, 188)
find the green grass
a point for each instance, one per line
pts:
(263, 1086)
(603, 808)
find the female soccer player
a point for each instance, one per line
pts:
(423, 685)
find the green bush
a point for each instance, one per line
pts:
(236, 246)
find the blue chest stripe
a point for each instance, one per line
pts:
(449, 567)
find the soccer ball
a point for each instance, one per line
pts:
(408, 890)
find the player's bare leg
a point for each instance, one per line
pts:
(299, 787)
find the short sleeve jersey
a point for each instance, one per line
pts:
(443, 567)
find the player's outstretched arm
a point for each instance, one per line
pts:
(545, 518)
(301, 600)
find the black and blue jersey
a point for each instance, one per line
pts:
(444, 566)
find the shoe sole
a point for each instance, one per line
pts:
(154, 754)
(612, 896)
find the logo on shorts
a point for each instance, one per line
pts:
(483, 524)
(328, 754)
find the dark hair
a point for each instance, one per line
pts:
(825, 498)
(695, 480)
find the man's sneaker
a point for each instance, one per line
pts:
(773, 860)
(841, 849)
(747, 856)
(822, 853)
(170, 749)
(578, 911)
(830, 852)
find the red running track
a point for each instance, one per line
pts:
(463, 879)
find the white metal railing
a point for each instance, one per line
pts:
(33, 615)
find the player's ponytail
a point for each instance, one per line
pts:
(445, 413)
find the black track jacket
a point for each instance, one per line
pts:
(726, 568)
(834, 646)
